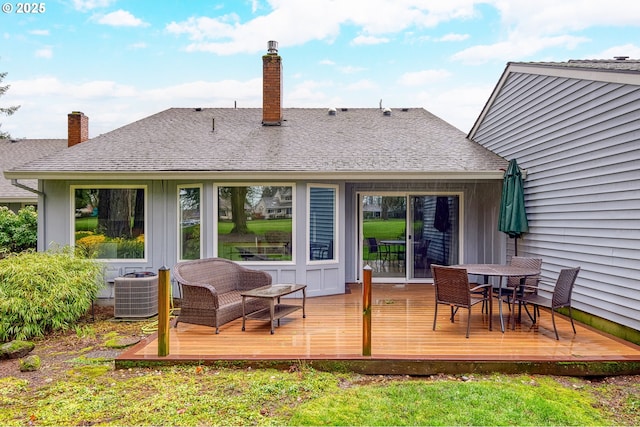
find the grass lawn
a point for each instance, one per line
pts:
(78, 385)
(259, 226)
(391, 229)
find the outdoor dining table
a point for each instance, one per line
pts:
(394, 247)
(498, 270)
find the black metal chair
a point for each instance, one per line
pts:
(560, 298)
(453, 289)
(380, 253)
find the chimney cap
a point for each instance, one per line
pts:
(272, 47)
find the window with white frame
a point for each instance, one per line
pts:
(110, 221)
(189, 217)
(322, 222)
(255, 223)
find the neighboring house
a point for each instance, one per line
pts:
(575, 128)
(14, 152)
(277, 206)
(148, 176)
(371, 208)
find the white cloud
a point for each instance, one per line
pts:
(46, 53)
(221, 92)
(120, 18)
(365, 84)
(451, 37)
(554, 17)
(630, 50)
(369, 40)
(110, 104)
(52, 86)
(419, 78)
(516, 48)
(39, 32)
(295, 22)
(459, 106)
(86, 5)
(310, 93)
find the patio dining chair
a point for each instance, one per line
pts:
(560, 298)
(514, 283)
(453, 289)
(377, 250)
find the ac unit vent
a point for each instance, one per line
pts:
(136, 295)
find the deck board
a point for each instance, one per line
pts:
(402, 320)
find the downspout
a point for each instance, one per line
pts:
(15, 183)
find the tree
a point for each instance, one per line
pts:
(8, 110)
(238, 200)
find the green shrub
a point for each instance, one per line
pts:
(18, 232)
(48, 291)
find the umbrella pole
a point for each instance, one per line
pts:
(515, 242)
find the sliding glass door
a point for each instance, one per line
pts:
(397, 252)
(384, 227)
(434, 233)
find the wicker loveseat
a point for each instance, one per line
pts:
(211, 290)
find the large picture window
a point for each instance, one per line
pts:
(110, 221)
(255, 223)
(189, 215)
(322, 223)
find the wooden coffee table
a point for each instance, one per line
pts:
(276, 309)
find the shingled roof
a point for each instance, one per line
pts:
(19, 151)
(181, 142)
(621, 64)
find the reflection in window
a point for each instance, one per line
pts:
(110, 222)
(255, 223)
(322, 223)
(189, 217)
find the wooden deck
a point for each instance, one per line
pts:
(403, 341)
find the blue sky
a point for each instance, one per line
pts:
(121, 60)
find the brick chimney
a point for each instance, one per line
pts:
(78, 128)
(272, 86)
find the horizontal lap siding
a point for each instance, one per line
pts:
(580, 144)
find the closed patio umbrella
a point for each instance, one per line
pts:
(513, 217)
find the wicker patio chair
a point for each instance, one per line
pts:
(560, 298)
(514, 283)
(453, 289)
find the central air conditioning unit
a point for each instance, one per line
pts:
(136, 295)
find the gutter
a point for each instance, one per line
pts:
(15, 183)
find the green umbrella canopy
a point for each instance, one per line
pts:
(513, 217)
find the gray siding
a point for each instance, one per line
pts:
(56, 222)
(579, 141)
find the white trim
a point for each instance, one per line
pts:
(253, 183)
(354, 176)
(360, 247)
(179, 219)
(72, 211)
(336, 216)
(578, 73)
